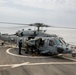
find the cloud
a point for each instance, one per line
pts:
(54, 5)
(2, 1)
(46, 4)
(55, 12)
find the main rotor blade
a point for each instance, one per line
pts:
(37, 25)
(62, 27)
(33, 24)
(14, 23)
(13, 26)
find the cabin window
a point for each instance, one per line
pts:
(42, 43)
(51, 43)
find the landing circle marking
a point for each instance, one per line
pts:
(8, 51)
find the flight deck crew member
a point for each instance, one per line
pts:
(20, 45)
(26, 46)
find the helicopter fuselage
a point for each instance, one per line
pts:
(50, 44)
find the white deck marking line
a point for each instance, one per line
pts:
(36, 64)
(8, 51)
(14, 65)
(52, 63)
(17, 65)
(69, 59)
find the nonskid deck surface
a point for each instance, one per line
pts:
(11, 63)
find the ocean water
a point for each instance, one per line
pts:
(69, 35)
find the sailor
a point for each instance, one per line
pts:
(20, 46)
(26, 46)
(2, 43)
(37, 45)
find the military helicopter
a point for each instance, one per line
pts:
(43, 43)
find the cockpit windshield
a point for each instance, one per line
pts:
(59, 41)
(62, 41)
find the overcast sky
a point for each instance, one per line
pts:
(51, 12)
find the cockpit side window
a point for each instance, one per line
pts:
(51, 43)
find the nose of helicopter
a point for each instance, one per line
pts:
(64, 50)
(68, 50)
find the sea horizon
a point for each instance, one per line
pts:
(69, 35)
